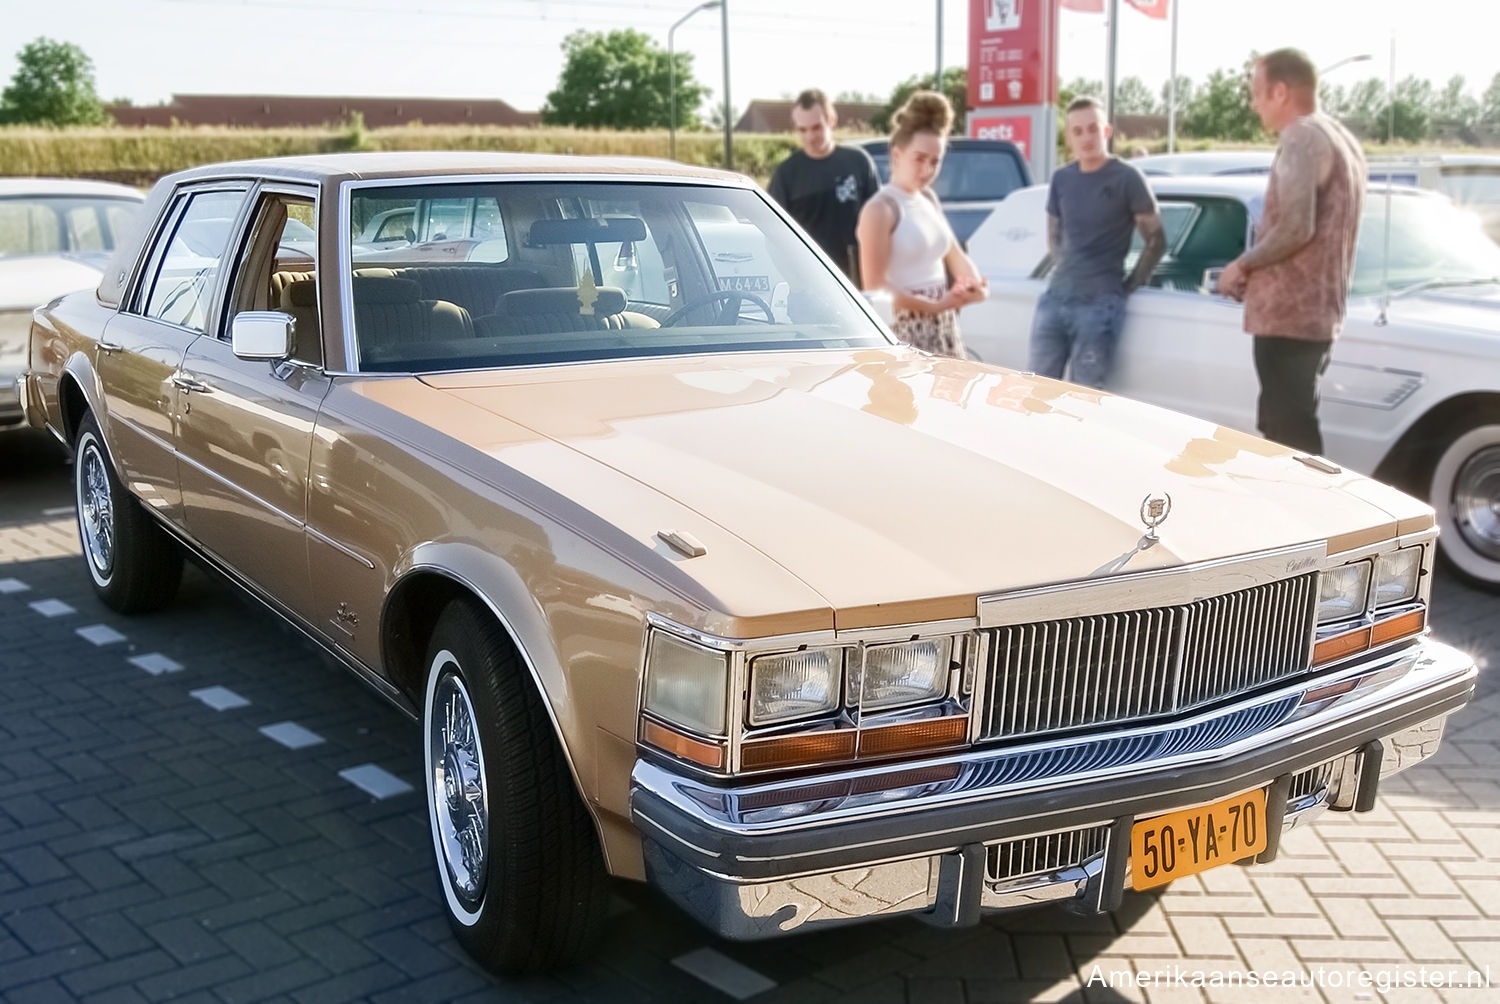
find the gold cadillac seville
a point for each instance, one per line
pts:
(692, 574)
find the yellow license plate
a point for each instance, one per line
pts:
(1168, 847)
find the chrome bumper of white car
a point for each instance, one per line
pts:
(1002, 828)
(13, 401)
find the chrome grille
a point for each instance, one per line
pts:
(1044, 854)
(1092, 670)
(1312, 780)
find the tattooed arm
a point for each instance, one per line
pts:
(1150, 228)
(1302, 163)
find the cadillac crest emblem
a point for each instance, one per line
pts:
(1155, 508)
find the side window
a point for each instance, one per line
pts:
(84, 230)
(739, 256)
(189, 266)
(277, 270)
(395, 226)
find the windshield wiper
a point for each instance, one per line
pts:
(1426, 284)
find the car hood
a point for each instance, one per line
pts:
(32, 280)
(900, 486)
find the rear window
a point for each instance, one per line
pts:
(49, 225)
(967, 175)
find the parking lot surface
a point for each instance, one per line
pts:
(194, 806)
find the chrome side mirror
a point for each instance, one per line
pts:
(263, 334)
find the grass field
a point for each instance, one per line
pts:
(139, 156)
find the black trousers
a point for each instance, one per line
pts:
(1289, 371)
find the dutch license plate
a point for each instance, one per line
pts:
(1168, 847)
(745, 283)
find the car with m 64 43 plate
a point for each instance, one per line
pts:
(730, 594)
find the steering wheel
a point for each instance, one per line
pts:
(732, 297)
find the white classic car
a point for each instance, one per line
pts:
(55, 235)
(1412, 394)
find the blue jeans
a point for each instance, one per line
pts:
(1083, 328)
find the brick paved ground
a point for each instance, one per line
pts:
(152, 848)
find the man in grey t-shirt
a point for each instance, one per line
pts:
(1094, 205)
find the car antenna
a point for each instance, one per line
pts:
(1390, 177)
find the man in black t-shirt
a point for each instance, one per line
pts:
(824, 185)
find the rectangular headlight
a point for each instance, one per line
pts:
(795, 685)
(906, 673)
(687, 684)
(1343, 591)
(1396, 576)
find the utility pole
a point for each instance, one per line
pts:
(728, 108)
(1109, 86)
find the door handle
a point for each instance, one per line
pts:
(189, 384)
(110, 347)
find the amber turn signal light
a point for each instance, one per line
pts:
(697, 751)
(1398, 627)
(931, 733)
(1341, 645)
(793, 751)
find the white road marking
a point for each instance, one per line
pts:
(52, 608)
(375, 781)
(61, 510)
(156, 664)
(100, 634)
(13, 586)
(723, 973)
(291, 735)
(219, 698)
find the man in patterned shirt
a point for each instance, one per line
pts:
(1295, 278)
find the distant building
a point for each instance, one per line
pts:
(776, 116)
(281, 110)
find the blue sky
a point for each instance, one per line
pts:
(147, 49)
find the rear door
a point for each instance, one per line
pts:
(144, 343)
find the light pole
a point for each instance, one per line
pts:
(672, 77)
(1363, 57)
(728, 108)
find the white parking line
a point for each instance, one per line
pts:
(291, 735)
(219, 698)
(51, 608)
(375, 781)
(156, 664)
(61, 510)
(723, 973)
(100, 634)
(13, 586)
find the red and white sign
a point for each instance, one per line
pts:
(1010, 52)
(1012, 128)
(1151, 8)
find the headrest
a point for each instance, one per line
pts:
(370, 290)
(302, 293)
(562, 300)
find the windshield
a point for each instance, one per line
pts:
(48, 225)
(1430, 240)
(528, 273)
(967, 174)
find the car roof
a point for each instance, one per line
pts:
(11, 188)
(1205, 161)
(333, 169)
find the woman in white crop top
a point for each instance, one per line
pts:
(905, 243)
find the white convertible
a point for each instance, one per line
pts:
(1412, 394)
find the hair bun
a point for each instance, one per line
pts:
(925, 111)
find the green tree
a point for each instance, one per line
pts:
(1078, 87)
(619, 80)
(955, 86)
(1184, 94)
(856, 98)
(53, 85)
(1220, 109)
(1411, 115)
(1455, 104)
(1133, 97)
(1489, 105)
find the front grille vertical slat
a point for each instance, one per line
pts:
(1094, 669)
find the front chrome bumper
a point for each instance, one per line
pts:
(767, 859)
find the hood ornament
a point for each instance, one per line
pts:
(1155, 508)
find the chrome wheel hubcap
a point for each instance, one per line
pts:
(96, 511)
(1476, 502)
(459, 794)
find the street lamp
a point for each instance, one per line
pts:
(1363, 57)
(672, 76)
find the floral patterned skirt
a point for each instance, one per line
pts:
(935, 333)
